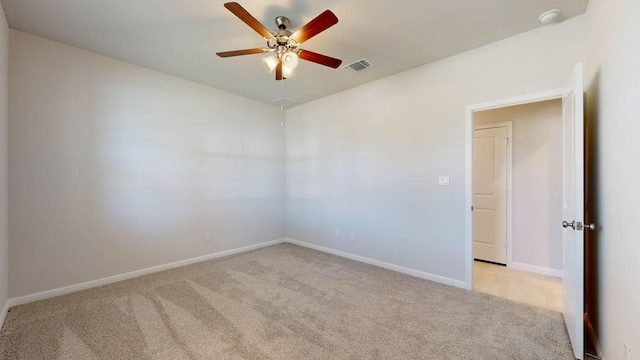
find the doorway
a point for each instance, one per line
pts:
(517, 187)
(573, 209)
(472, 113)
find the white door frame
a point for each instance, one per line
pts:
(509, 165)
(470, 110)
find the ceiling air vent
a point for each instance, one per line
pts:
(284, 102)
(358, 66)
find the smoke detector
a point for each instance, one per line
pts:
(550, 16)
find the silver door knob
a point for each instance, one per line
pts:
(591, 227)
(566, 224)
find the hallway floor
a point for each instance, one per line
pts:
(530, 288)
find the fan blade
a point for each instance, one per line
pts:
(248, 19)
(314, 27)
(279, 71)
(319, 59)
(225, 54)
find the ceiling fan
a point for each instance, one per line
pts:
(284, 43)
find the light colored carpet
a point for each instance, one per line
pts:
(281, 302)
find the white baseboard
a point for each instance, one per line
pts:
(129, 275)
(3, 314)
(111, 279)
(536, 269)
(382, 264)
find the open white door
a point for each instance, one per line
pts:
(573, 211)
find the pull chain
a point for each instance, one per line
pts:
(282, 105)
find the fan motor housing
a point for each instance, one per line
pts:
(281, 34)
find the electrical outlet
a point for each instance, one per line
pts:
(337, 233)
(443, 181)
(353, 236)
(626, 355)
(207, 236)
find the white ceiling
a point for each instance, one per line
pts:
(182, 37)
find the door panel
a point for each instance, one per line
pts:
(573, 211)
(490, 194)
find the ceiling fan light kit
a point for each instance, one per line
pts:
(284, 43)
(270, 63)
(290, 59)
(288, 72)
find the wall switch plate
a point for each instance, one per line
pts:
(443, 181)
(626, 355)
(207, 236)
(337, 233)
(353, 236)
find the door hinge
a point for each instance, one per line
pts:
(471, 207)
(507, 140)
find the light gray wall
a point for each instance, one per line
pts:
(613, 116)
(4, 115)
(537, 180)
(367, 160)
(115, 168)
